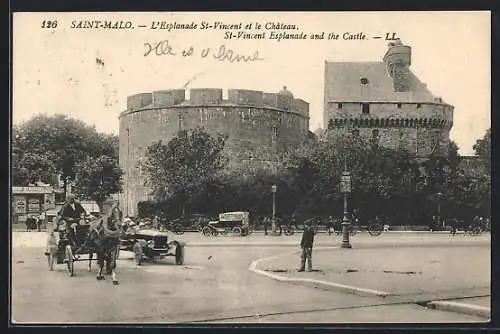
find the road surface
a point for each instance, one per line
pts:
(214, 285)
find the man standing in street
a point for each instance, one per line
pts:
(307, 245)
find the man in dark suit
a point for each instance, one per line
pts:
(70, 213)
(307, 245)
(72, 210)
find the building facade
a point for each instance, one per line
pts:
(31, 201)
(258, 127)
(385, 102)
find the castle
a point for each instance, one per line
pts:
(385, 102)
(258, 126)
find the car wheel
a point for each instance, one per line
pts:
(236, 231)
(375, 230)
(207, 231)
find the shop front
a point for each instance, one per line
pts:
(31, 201)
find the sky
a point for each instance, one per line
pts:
(55, 69)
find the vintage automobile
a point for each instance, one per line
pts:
(237, 223)
(151, 244)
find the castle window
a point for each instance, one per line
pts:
(419, 106)
(339, 105)
(365, 108)
(364, 81)
(399, 105)
(274, 135)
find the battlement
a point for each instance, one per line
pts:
(214, 96)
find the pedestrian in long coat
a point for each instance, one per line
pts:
(306, 244)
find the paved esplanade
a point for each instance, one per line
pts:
(215, 284)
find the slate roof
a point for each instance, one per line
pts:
(342, 84)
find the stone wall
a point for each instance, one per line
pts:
(421, 128)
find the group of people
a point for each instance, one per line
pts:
(35, 222)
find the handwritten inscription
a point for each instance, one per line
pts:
(223, 53)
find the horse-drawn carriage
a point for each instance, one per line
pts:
(151, 244)
(79, 237)
(237, 223)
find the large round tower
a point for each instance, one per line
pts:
(258, 126)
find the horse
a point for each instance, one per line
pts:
(105, 235)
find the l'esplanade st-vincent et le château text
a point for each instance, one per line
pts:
(233, 31)
(169, 26)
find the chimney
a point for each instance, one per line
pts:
(397, 60)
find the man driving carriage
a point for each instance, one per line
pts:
(69, 216)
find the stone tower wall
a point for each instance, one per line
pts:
(258, 126)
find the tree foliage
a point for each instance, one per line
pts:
(45, 145)
(97, 178)
(183, 167)
(385, 182)
(482, 149)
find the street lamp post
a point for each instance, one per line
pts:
(439, 195)
(274, 188)
(345, 187)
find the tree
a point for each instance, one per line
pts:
(182, 168)
(381, 178)
(482, 149)
(97, 178)
(32, 167)
(57, 141)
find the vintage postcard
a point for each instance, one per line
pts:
(250, 167)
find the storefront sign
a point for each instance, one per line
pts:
(32, 190)
(19, 204)
(33, 205)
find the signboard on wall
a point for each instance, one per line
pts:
(33, 205)
(32, 190)
(19, 204)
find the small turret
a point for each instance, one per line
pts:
(286, 92)
(397, 59)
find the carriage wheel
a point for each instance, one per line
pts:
(375, 230)
(237, 231)
(70, 265)
(138, 252)
(51, 260)
(179, 254)
(207, 231)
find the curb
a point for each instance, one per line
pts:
(481, 311)
(312, 282)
